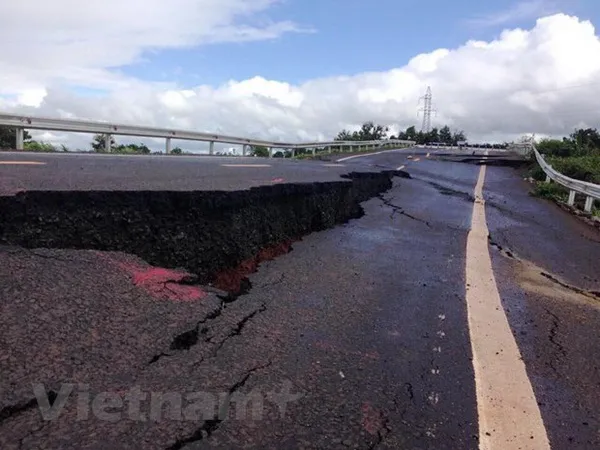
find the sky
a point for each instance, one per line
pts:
(298, 70)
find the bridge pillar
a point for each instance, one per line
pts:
(20, 138)
(314, 151)
(589, 202)
(168, 145)
(548, 179)
(107, 139)
(211, 148)
(571, 201)
(244, 150)
(270, 152)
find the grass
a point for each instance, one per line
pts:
(550, 191)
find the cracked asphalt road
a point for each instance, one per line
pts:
(357, 338)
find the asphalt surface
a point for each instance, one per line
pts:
(357, 338)
(101, 172)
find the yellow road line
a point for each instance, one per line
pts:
(245, 165)
(509, 416)
(22, 163)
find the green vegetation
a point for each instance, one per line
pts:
(258, 150)
(177, 151)
(373, 132)
(8, 137)
(99, 145)
(576, 156)
(34, 146)
(550, 191)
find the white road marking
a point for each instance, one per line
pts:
(401, 167)
(368, 154)
(509, 416)
(22, 163)
(333, 165)
(245, 165)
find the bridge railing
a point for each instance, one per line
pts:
(590, 190)
(21, 123)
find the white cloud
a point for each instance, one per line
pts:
(79, 42)
(539, 81)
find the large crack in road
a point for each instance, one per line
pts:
(207, 233)
(218, 238)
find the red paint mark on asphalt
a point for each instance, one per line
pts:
(371, 421)
(164, 283)
(160, 283)
(230, 280)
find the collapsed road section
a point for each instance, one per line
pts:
(205, 232)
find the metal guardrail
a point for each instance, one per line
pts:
(80, 126)
(590, 190)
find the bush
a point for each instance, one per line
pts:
(555, 147)
(35, 146)
(259, 151)
(584, 168)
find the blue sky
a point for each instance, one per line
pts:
(170, 63)
(357, 37)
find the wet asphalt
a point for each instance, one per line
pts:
(357, 338)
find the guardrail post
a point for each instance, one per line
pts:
(589, 202)
(107, 139)
(20, 138)
(211, 148)
(571, 201)
(168, 145)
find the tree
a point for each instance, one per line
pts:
(259, 150)
(446, 135)
(587, 141)
(368, 132)
(177, 151)
(99, 143)
(8, 137)
(411, 133)
(344, 135)
(458, 136)
(371, 132)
